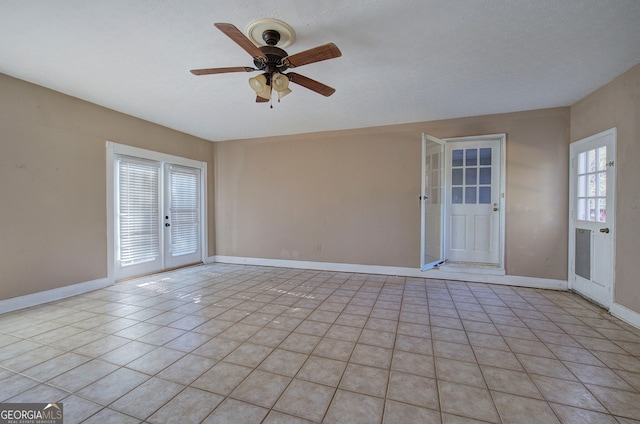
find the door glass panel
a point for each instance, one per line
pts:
(435, 196)
(485, 156)
(602, 184)
(602, 158)
(582, 210)
(591, 160)
(582, 163)
(138, 211)
(456, 176)
(470, 195)
(485, 175)
(485, 195)
(471, 176)
(591, 184)
(582, 186)
(602, 210)
(456, 195)
(457, 157)
(472, 157)
(184, 207)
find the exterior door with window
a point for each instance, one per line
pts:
(157, 216)
(592, 214)
(473, 201)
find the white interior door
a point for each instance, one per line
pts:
(431, 203)
(592, 215)
(158, 212)
(473, 218)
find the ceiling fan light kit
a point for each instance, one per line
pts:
(260, 86)
(273, 61)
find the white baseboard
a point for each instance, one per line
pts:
(625, 314)
(468, 275)
(28, 300)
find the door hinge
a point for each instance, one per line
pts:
(610, 163)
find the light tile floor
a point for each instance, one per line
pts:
(243, 344)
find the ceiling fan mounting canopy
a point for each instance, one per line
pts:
(256, 29)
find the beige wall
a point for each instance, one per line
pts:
(344, 196)
(352, 196)
(53, 184)
(618, 105)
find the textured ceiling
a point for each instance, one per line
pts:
(402, 60)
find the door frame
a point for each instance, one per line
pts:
(608, 301)
(114, 149)
(502, 141)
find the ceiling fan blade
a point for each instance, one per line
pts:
(261, 99)
(210, 71)
(324, 52)
(311, 84)
(240, 39)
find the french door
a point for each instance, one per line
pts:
(592, 215)
(182, 216)
(157, 215)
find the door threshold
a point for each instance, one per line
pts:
(472, 268)
(160, 271)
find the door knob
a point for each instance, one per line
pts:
(167, 225)
(604, 230)
(495, 209)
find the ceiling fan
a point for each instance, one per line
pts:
(274, 61)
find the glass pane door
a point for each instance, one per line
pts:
(431, 200)
(182, 216)
(138, 238)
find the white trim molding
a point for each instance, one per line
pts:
(436, 274)
(39, 298)
(627, 315)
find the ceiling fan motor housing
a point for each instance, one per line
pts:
(274, 61)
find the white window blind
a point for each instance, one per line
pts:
(184, 209)
(138, 210)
